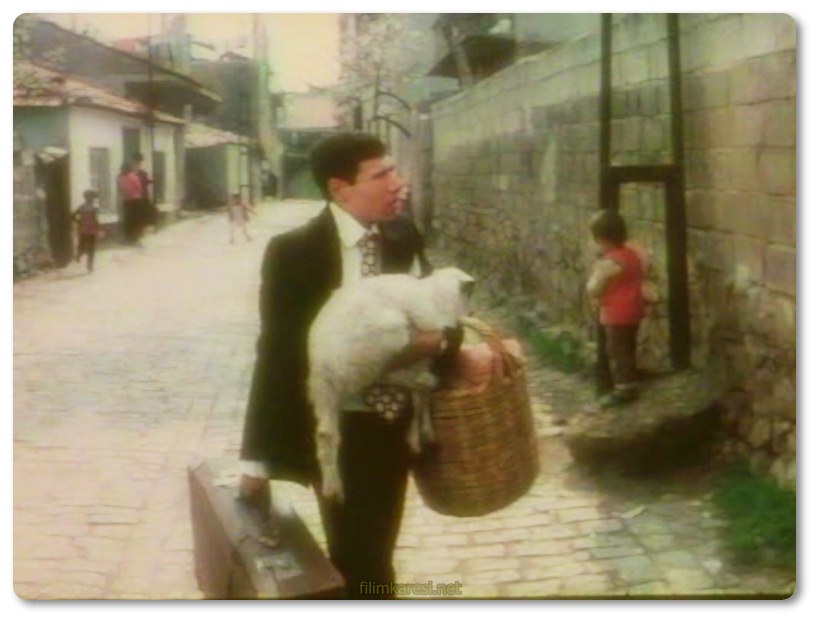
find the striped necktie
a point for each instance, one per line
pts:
(389, 401)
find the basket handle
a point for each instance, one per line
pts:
(493, 339)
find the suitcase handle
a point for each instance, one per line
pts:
(269, 535)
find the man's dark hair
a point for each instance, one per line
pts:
(340, 156)
(90, 194)
(609, 226)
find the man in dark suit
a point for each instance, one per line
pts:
(300, 270)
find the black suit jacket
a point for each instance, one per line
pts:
(300, 270)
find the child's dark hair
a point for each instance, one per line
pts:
(90, 195)
(609, 226)
(236, 195)
(339, 157)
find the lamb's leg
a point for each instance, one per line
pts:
(326, 409)
(421, 431)
(414, 432)
(427, 435)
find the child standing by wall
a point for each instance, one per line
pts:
(239, 215)
(88, 227)
(616, 283)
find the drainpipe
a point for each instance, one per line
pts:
(151, 105)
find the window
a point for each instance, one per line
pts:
(99, 168)
(130, 143)
(159, 176)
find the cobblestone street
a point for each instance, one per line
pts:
(123, 376)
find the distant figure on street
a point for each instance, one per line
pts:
(148, 210)
(138, 211)
(615, 283)
(131, 190)
(88, 227)
(273, 184)
(238, 216)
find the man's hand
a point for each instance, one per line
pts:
(427, 343)
(422, 344)
(255, 490)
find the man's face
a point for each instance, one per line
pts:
(377, 193)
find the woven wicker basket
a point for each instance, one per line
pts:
(485, 454)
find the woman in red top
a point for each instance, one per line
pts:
(132, 191)
(616, 282)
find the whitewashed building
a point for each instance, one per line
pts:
(98, 131)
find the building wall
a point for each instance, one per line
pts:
(30, 229)
(316, 109)
(41, 127)
(553, 27)
(516, 180)
(214, 173)
(95, 128)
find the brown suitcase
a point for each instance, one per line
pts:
(232, 562)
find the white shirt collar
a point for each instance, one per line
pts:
(350, 230)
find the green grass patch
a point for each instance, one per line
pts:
(762, 518)
(561, 350)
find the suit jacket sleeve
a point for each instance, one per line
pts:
(277, 424)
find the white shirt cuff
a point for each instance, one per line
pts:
(256, 469)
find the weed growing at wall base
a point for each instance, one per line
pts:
(762, 518)
(561, 351)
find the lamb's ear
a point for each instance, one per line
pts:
(466, 283)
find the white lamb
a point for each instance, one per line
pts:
(358, 332)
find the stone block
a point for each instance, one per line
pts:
(734, 169)
(676, 559)
(631, 138)
(750, 256)
(718, 251)
(655, 134)
(778, 171)
(698, 170)
(781, 269)
(704, 90)
(760, 433)
(777, 77)
(743, 83)
(695, 132)
(718, 125)
(633, 103)
(700, 209)
(779, 123)
(745, 126)
(637, 569)
(710, 43)
(764, 33)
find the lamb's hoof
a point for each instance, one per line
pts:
(332, 490)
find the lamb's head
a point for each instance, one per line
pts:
(452, 288)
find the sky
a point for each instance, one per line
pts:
(303, 47)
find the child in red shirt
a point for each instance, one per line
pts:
(616, 282)
(88, 227)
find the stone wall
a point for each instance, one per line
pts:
(516, 179)
(30, 241)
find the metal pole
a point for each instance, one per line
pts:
(606, 188)
(676, 244)
(151, 105)
(605, 113)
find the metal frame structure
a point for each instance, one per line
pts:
(672, 177)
